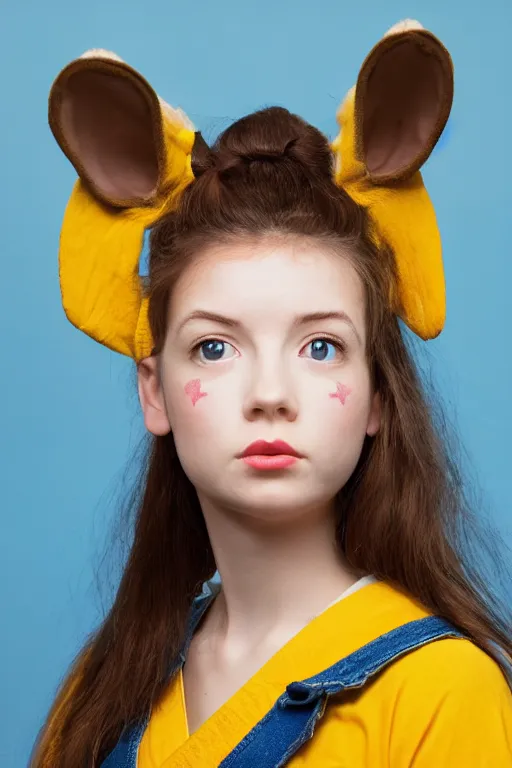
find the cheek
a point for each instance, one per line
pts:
(346, 407)
(342, 393)
(189, 406)
(205, 425)
(196, 412)
(344, 420)
(199, 411)
(193, 390)
(192, 422)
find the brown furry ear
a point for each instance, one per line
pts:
(403, 99)
(108, 121)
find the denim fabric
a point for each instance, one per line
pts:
(124, 754)
(292, 719)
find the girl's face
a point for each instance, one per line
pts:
(264, 342)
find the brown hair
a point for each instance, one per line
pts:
(271, 174)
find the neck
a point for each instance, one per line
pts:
(275, 579)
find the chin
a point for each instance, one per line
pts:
(280, 505)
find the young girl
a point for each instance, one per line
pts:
(293, 448)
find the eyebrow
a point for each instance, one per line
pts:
(299, 320)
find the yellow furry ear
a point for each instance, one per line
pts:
(389, 125)
(132, 152)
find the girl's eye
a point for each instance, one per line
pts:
(212, 350)
(320, 349)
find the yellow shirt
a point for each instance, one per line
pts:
(445, 704)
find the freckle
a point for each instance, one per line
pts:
(342, 392)
(193, 390)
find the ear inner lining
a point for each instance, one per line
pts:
(405, 98)
(107, 122)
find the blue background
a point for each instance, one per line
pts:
(69, 416)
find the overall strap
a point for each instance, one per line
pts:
(292, 719)
(124, 754)
(197, 610)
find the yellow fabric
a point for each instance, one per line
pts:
(446, 704)
(99, 258)
(404, 218)
(101, 245)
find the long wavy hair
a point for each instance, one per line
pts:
(272, 174)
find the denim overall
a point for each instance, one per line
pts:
(292, 719)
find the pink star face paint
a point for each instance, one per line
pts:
(342, 392)
(193, 390)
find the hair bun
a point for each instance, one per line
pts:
(270, 154)
(272, 135)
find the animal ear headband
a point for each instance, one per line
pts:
(133, 155)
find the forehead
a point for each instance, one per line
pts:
(276, 280)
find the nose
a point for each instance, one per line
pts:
(270, 394)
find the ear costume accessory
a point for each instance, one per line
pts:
(133, 155)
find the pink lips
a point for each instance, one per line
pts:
(275, 455)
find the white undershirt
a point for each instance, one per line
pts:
(354, 588)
